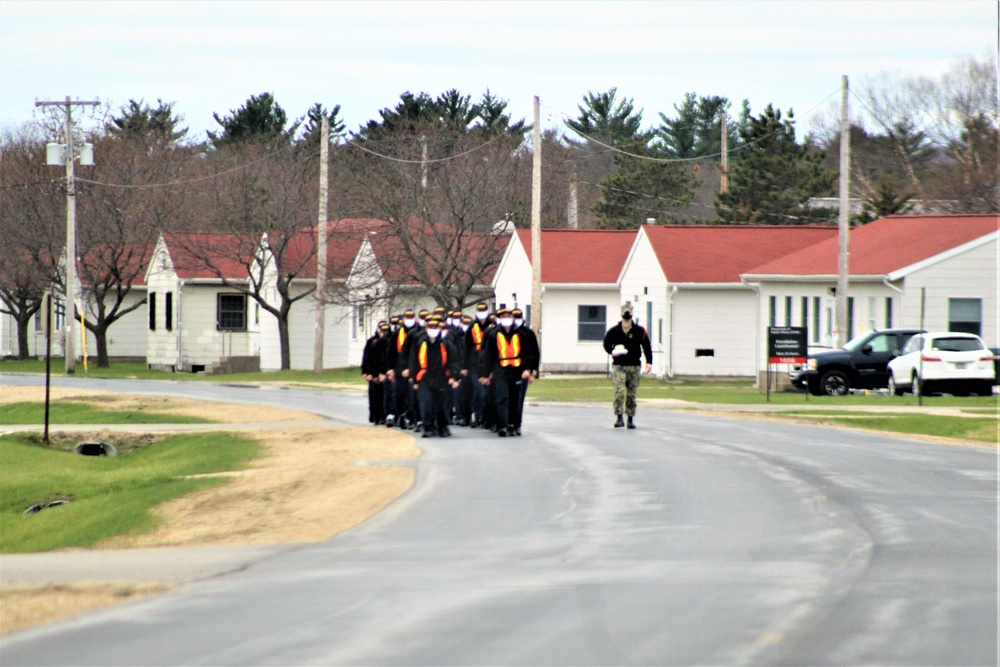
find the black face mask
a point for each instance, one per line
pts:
(627, 316)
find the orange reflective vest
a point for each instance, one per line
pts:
(400, 339)
(477, 336)
(510, 351)
(422, 360)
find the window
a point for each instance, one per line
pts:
(888, 312)
(232, 312)
(816, 316)
(152, 311)
(804, 315)
(788, 311)
(883, 343)
(772, 306)
(591, 322)
(168, 311)
(871, 314)
(965, 315)
(850, 317)
(649, 316)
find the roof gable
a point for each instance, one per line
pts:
(720, 253)
(886, 245)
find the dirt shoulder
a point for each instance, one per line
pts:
(310, 483)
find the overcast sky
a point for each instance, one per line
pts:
(211, 56)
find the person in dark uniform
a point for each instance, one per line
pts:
(463, 399)
(532, 359)
(434, 367)
(397, 365)
(503, 368)
(372, 370)
(626, 342)
(389, 389)
(475, 339)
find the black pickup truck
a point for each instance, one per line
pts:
(861, 364)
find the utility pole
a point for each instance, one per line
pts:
(843, 225)
(321, 242)
(536, 225)
(423, 162)
(70, 160)
(724, 186)
(572, 219)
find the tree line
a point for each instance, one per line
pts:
(443, 173)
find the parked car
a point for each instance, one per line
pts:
(956, 363)
(797, 372)
(861, 364)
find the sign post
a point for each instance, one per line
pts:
(786, 345)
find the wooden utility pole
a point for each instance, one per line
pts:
(572, 215)
(724, 185)
(69, 346)
(536, 225)
(321, 243)
(844, 221)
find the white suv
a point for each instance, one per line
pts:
(958, 363)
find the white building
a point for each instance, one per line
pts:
(945, 266)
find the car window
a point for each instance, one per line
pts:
(883, 343)
(913, 344)
(956, 344)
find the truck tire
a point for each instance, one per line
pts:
(834, 383)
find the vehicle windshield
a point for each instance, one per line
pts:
(956, 344)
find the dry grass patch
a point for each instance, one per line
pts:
(25, 605)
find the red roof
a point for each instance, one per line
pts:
(720, 253)
(209, 254)
(581, 256)
(110, 263)
(885, 245)
(450, 256)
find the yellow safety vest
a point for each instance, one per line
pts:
(510, 351)
(422, 360)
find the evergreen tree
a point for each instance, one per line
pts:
(138, 120)
(887, 200)
(261, 120)
(643, 188)
(697, 129)
(773, 176)
(607, 120)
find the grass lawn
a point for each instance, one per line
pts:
(110, 495)
(72, 412)
(982, 429)
(137, 370)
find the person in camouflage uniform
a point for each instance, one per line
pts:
(627, 342)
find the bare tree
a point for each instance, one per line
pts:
(442, 193)
(32, 226)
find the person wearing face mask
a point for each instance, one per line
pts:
(475, 341)
(463, 405)
(627, 342)
(503, 368)
(529, 345)
(389, 389)
(397, 364)
(372, 369)
(434, 368)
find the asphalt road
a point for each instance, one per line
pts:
(692, 540)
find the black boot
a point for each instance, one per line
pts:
(631, 424)
(619, 422)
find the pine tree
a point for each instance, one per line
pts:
(643, 188)
(773, 176)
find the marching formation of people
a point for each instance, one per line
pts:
(428, 371)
